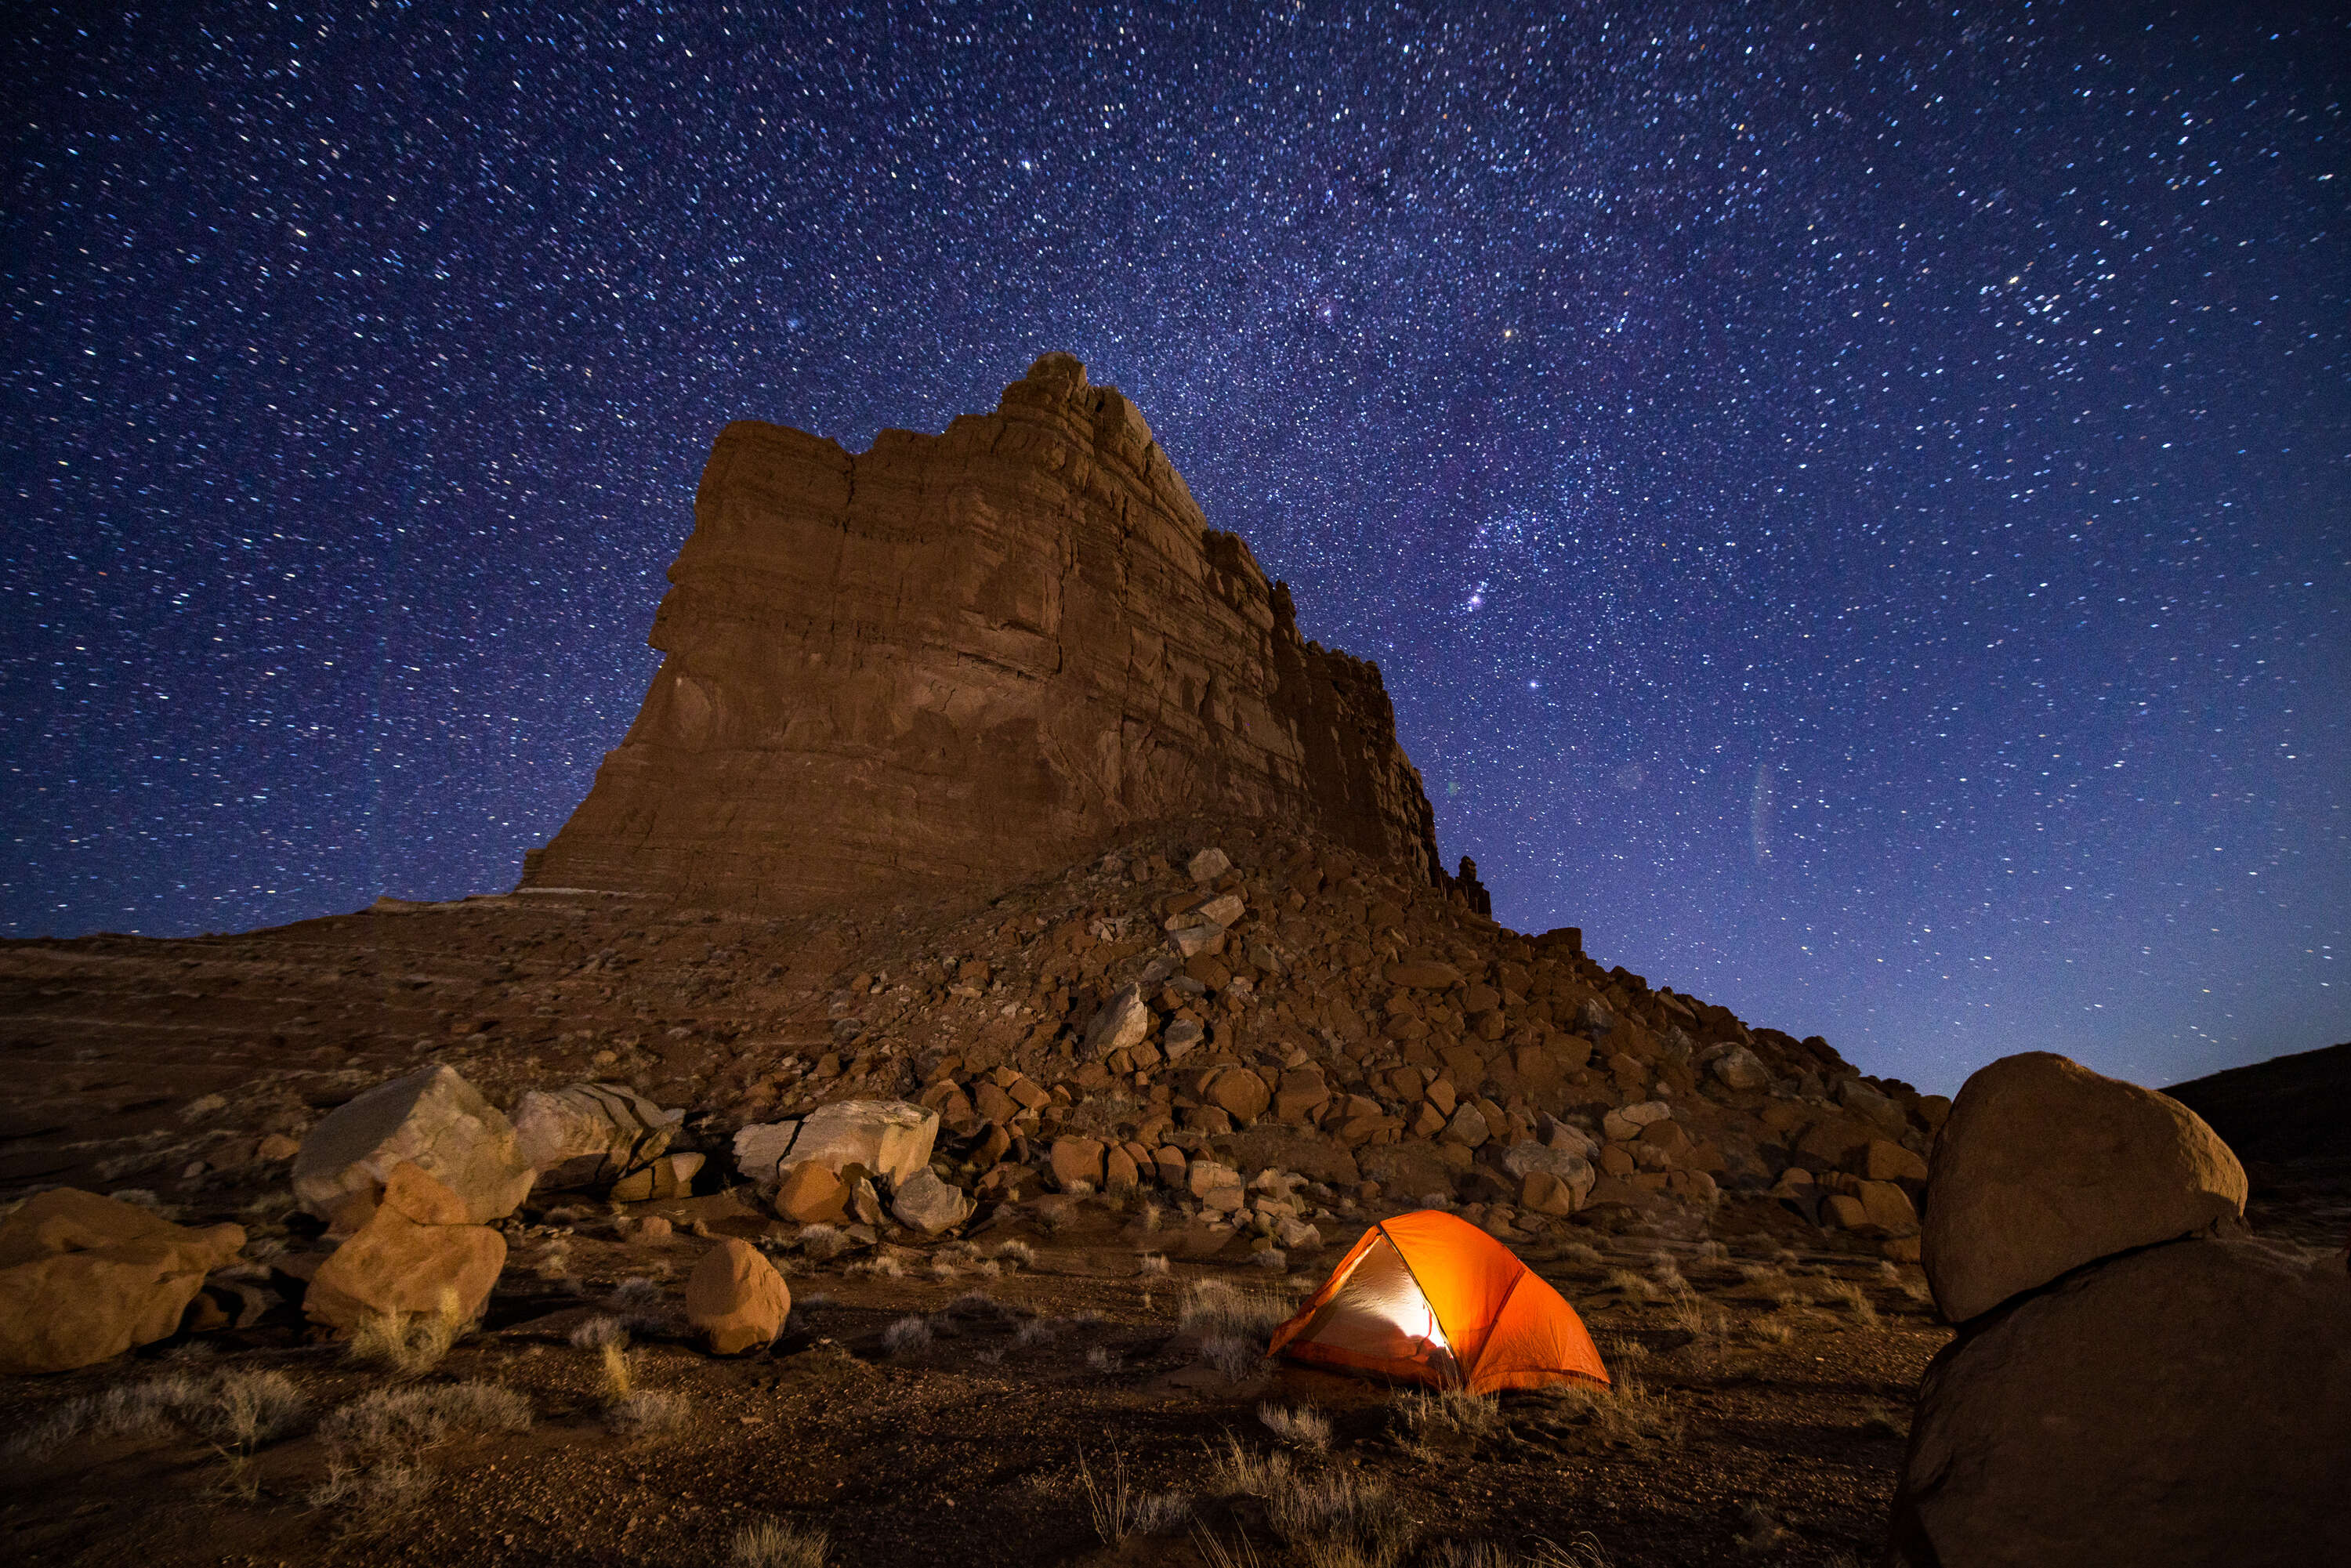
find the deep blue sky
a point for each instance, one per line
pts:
(1855, 514)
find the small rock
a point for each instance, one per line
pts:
(670, 1175)
(1738, 1068)
(1242, 1093)
(653, 1230)
(1076, 1165)
(1208, 866)
(734, 1299)
(1123, 1021)
(929, 1204)
(1179, 1038)
(1425, 977)
(278, 1147)
(1467, 1127)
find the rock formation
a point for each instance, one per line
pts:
(2130, 1383)
(962, 661)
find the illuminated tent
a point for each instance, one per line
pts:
(1429, 1298)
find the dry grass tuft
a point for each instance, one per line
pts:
(1427, 1414)
(1119, 1511)
(1584, 1552)
(907, 1335)
(1217, 1307)
(1236, 1471)
(1772, 1328)
(234, 1411)
(772, 1543)
(645, 1414)
(1633, 1285)
(1302, 1425)
(1625, 1413)
(1855, 1299)
(1343, 1519)
(412, 1344)
(1235, 1357)
(1763, 1533)
(823, 1242)
(1015, 1254)
(1150, 1263)
(1582, 1254)
(392, 1422)
(1215, 1554)
(374, 1476)
(881, 1265)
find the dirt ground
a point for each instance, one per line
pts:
(1770, 1418)
(1034, 1391)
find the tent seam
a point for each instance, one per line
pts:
(1499, 1308)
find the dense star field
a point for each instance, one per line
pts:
(1850, 501)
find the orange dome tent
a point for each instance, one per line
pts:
(1429, 1298)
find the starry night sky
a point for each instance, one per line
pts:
(1852, 504)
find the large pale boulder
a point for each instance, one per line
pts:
(591, 1135)
(85, 1277)
(432, 1118)
(417, 1253)
(734, 1299)
(2188, 1403)
(2045, 1166)
(891, 1139)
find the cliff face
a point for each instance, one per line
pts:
(965, 660)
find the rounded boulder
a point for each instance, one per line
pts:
(2045, 1166)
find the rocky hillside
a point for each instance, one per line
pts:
(957, 662)
(1302, 1009)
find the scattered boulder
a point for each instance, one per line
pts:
(670, 1175)
(1076, 1165)
(591, 1135)
(417, 1252)
(1119, 1024)
(431, 1118)
(2187, 1404)
(85, 1277)
(1736, 1067)
(1242, 1093)
(929, 1205)
(734, 1299)
(1208, 866)
(811, 1193)
(891, 1139)
(1571, 1172)
(2045, 1166)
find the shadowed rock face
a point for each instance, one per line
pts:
(959, 661)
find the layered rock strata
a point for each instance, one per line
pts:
(965, 660)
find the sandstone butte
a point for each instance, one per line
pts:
(959, 662)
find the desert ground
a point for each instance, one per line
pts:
(1073, 1378)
